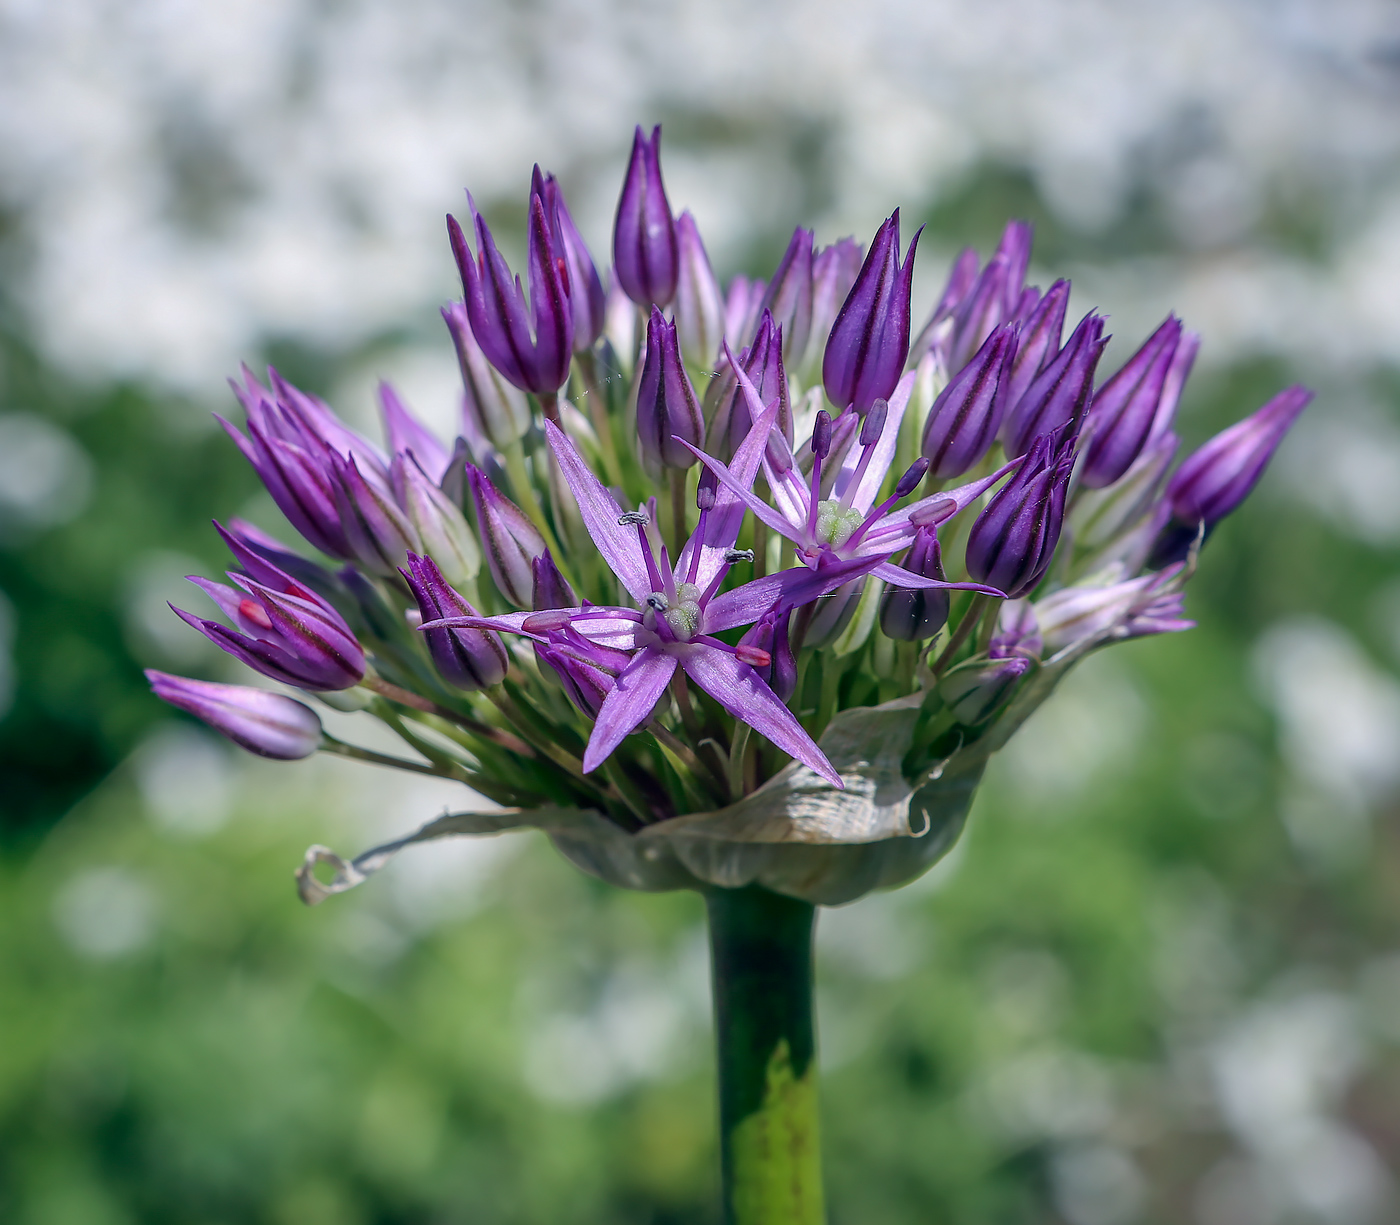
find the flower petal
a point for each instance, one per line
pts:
(879, 465)
(789, 588)
(630, 703)
(617, 543)
(739, 689)
(898, 576)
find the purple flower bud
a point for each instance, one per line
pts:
(666, 405)
(470, 659)
(834, 271)
(1177, 374)
(963, 422)
(762, 361)
(585, 288)
(1101, 515)
(742, 306)
(1013, 540)
(378, 532)
(491, 407)
(938, 329)
(264, 723)
(768, 639)
(530, 343)
(549, 589)
(1215, 479)
(699, 310)
(406, 433)
(1040, 340)
(981, 310)
(789, 295)
(586, 670)
(1135, 608)
(440, 525)
(645, 251)
(1015, 249)
(974, 692)
(510, 540)
(910, 615)
(289, 633)
(870, 339)
(1060, 392)
(1123, 410)
(1017, 632)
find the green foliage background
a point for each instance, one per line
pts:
(1058, 995)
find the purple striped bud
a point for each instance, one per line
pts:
(910, 615)
(974, 692)
(768, 639)
(1040, 341)
(762, 361)
(1122, 411)
(963, 422)
(549, 589)
(1177, 374)
(531, 343)
(1013, 540)
(1061, 392)
(938, 329)
(742, 306)
(586, 670)
(645, 252)
(789, 295)
(268, 724)
(981, 310)
(1017, 632)
(378, 532)
(441, 527)
(667, 408)
(869, 341)
(406, 433)
(470, 659)
(834, 271)
(1015, 249)
(510, 540)
(1215, 479)
(699, 308)
(586, 295)
(491, 407)
(289, 633)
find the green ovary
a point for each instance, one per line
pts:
(835, 525)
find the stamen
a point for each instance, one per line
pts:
(668, 578)
(907, 484)
(699, 541)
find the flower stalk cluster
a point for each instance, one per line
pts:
(712, 519)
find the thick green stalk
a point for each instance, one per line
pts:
(770, 1150)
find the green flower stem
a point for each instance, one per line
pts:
(404, 698)
(969, 621)
(678, 502)
(329, 744)
(770, 1149)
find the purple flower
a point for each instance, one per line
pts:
(913, 615)
(376, 529)
(1040, 340)
(471, 659)
(288, 633)
(493, 410)
(668, 414)
(975, 691)
(936, 332)
(848, 526)
(549, 589)
(585, 287)
(762, 363)
(963, 422)
(264, 723)
(742, 305)
(834, 271)
(510, 540)
(995, 296)
(1013, 540)
(679, 610)
(406, 434)
(789, 295)
(586, 670)
(870, 339)
(440, 526)
(1123, 410)
(1215, 479)
(1017, 632)
(1134, 608)
(531, 343)
(1060, 393)
(646, 256)
(699, 308)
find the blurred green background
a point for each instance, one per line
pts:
(1158, 981)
